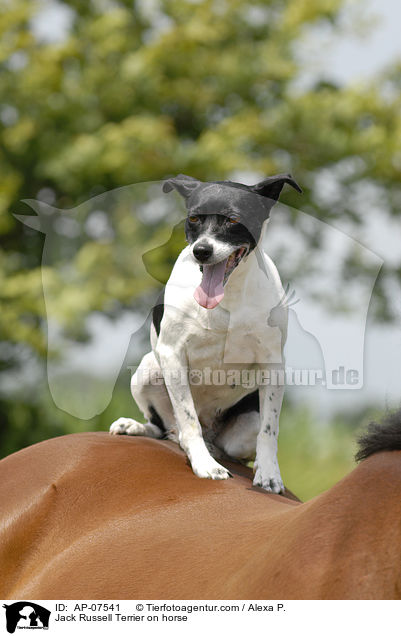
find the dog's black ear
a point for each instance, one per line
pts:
(272, 186)
(182, 183)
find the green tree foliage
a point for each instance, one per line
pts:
(136, 91)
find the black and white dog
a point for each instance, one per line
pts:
(213, 326)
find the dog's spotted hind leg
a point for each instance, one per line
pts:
(267, 471)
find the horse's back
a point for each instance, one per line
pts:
(97, 516)
(93, 515)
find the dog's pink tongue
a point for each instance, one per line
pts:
(211, 291)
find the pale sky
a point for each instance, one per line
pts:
(350, 57)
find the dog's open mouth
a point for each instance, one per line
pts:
(211, 290)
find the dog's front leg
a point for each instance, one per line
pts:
(189, 429)
(267, 471)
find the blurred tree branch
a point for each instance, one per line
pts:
(138, 91)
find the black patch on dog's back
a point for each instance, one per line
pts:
(155, 419)
(158, 311)
(247, 404)
(381, 437)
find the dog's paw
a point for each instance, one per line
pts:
(269, 480)
(126, 426)
(210, 469)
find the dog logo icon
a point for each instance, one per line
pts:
(26, 615)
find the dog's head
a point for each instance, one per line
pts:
(224, 224)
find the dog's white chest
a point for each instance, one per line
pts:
(238, 330)
(216, 344)
(230, 339)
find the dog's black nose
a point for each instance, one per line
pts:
(203, 251)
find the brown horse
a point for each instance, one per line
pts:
(100, 517)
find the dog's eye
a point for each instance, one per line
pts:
(193, 219)
(233, 219)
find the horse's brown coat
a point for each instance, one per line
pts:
(101, 517)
